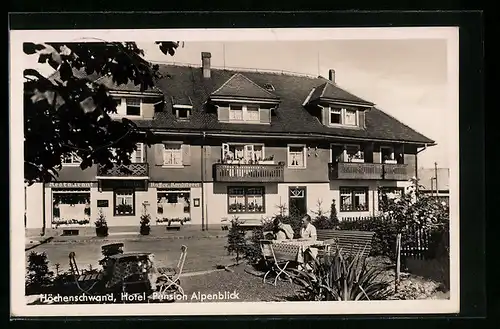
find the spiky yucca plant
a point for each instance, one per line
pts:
(338, 278)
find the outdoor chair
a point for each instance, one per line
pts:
(85, 282)
(169, 277)
(273, 264)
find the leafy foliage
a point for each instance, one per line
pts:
(69, 114)
(338, 278)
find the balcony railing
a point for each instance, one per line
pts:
(397, 171)
(131, 170)
(258, 173)
(356, 170)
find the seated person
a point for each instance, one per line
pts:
(282, 231)
(308, 231)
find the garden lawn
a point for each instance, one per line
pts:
(203, 254)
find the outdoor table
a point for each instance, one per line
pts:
(295, 249)
(124, 266)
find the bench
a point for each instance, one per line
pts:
(245, 224)
(350, 242)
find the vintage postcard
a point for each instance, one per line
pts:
(251, 171)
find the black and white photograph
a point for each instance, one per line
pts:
(248, 171)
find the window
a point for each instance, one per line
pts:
(297, 156)
(137, 156)
(353, 199)
(354, 153)
(245, 200)
(244, 113)
(172, 155)
(133, 107)
(71, 159)
(387, 154)
(252, 113)
(247, 153)
(235, 113)
(173, 204)
(388, 193)
(335, 116)
(182, 113)
(124, 200)
(71, 206)
(342, 116)
(350, 118)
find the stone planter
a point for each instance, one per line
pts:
(101, 231)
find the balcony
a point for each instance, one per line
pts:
(396, 171)
(355, 170)
(258, 173)
(133, 170)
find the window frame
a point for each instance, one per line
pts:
(179, 108)
(245, 195)
(226, 146)
(181, 160)
(244, 113)
(125, 100)
(343, 112)
(133, 155)
(115, 194)
(304, 152)
(353, 190)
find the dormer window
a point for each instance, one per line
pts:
(182, 112)
(244, 113)
(133, 107)
(342, 116)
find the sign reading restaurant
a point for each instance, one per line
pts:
(173, 185)
(71, 184)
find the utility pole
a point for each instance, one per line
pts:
(436, 179)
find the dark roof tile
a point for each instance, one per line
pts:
(240, 86)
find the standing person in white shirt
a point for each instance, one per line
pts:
(308, 231)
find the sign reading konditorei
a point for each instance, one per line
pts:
(71, 184)
(173, 185)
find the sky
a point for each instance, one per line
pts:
(406, 78)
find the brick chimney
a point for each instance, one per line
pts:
(205, 64)
(331, 75)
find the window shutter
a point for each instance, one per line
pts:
(159, 149)
(186, 154)
(325, 111)
(225, 150)
(361, 117)
(265, 115)
(223, 113)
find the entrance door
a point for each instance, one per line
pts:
(337, 152)
(297, 201)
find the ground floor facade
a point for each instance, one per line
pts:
(122, 202)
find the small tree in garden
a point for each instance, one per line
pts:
(236, 242)
(38, 274)
(322, 221)
(333, 214)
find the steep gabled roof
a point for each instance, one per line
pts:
(185, 84)
(329, 92)
(239, 85)
(291, 117)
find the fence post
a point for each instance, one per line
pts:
(398, 261)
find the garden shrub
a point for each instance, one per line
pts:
(236, 241)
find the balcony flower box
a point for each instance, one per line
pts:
(266, 162)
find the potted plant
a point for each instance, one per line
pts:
(145, 222)
(267, 160)
(101, 226)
